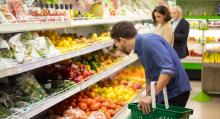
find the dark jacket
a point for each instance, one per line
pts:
(180, 38)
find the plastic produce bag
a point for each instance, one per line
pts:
(51, 50)
(97, 115)
(5, 15)
(6, 100)
(18, 48)
(7, 58)
(4, 112)
(30, 88)
(29, 42)
(74, 113)
(17, 9)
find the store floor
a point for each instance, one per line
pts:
(202, 110)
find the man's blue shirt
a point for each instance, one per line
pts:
(158, 57)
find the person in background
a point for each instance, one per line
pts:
(160, 61)
(181, 32)
(161, 18)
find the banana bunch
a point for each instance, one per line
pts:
(211, 57)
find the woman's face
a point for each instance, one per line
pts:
(159, 17)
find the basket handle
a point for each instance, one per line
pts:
(153, 95)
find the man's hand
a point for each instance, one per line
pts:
(144, 104)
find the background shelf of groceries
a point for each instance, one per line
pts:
(57, 58)
(203, 38)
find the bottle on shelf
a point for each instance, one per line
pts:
(80, 16)
(56, 10)
(67, 12)
(62, 11)
(41, 9)
(46, 11)
(71, 11)
(52, 10)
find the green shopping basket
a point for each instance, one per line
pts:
(159, 111)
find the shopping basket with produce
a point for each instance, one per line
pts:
(160, 111)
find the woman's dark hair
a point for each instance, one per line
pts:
(162, 10)
(123, 29)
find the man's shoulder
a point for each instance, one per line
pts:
(151, 39)
(183, 20)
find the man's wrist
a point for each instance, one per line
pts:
(149, 93)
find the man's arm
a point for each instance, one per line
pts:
(162, 58)
(162, 82)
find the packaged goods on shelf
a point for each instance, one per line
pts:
(18, 10)
(19, 92)
(29, 46)
(15, 12)
(19, 49)
(5, 15)
(7, 58)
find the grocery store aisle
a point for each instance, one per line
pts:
(203, 110)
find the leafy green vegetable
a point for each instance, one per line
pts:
(0, 54)
(4, 112)
(26, 37)
(7, 53)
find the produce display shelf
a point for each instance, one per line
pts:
(41, 106)
(192, 63)
(20, 68)
(115, 68)
(125, 109)
(213, 65)
(36, 26)
(203, 17)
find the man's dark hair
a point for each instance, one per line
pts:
(162, 10)
(123, 29)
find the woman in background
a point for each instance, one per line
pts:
(161, 18)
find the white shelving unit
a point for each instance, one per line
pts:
(43, 105)
(192, 60)
(46, 61)
(20, 27)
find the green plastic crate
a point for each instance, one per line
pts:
(160, 112)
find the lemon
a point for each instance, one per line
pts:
(69, 39)
(52, 37)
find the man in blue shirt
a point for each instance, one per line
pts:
(160, 61)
